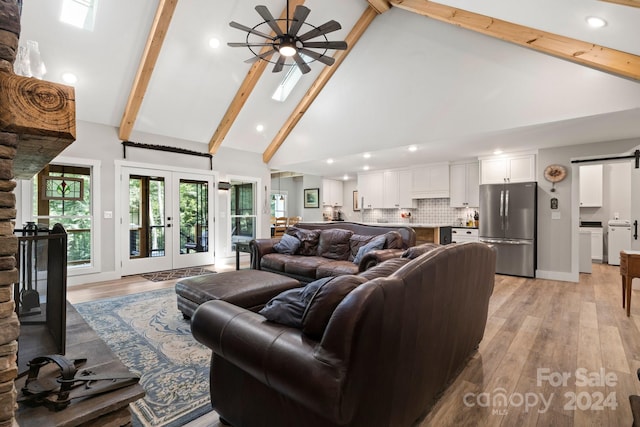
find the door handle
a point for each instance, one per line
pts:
(635, 230)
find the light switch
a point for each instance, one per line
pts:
(555, 215)
(108, 214)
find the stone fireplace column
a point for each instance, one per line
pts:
(9, 324)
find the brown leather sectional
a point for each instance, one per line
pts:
(384, 355)
(328, 249)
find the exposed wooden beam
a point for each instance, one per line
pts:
(633, 3)
(363, 23)
(380, 6)
(147, 64)
(247, 86)
(595, 56)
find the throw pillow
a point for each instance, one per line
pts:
(324, 301)
(376, 243)
(288, 307)
(357, 241)
(308, 240)
(287, 245)
(394, 240)
(334, 243)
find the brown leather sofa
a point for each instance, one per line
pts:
(328, 249)
(388, 350)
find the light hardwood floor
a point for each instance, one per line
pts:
(560, 353)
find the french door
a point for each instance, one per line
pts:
(167, 220)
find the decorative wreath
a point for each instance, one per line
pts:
(555, 173)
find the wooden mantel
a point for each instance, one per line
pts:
(42, 114)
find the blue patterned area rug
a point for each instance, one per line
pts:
(147, 332)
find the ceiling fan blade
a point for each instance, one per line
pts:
(326, 28)
(231, 44)
(326, 45)
(235, 25)
(264, 55)
(327, 60)
(268, 17)
(279, 64)
(299, 17)
(301, 64)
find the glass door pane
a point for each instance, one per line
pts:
(243, 212)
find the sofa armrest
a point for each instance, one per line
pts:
(259, 248)
(279, 356)
(377, 256)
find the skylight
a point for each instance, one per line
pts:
(287, 84)
(79, 13)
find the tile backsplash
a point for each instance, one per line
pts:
(428, 211)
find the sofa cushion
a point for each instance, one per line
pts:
(334, 243)
(416, 251)
(304, 265)
(288, 307)
(336, 268)
(324, 301)
(308, 240)
(393, 240)
(275, 261)
(384, 269)
(356, 241)
(377, 243)
(287, 245)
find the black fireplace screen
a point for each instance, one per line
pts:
(41, 291)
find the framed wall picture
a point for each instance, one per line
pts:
(311, 197)
(356, 202)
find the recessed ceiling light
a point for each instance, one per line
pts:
(366, 168)
(413, 148)
(497, 152)
(69, 78)
(260, 128)
(214, 43)
(345, 177)
(366, 155)
(329, 161)
(596, 22)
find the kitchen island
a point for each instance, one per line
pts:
(425, 233)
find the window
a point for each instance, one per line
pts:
(279, 204)
(62, 194)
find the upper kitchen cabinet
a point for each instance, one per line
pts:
(332, 194)
(370, 187)
(464, 182)
(515, 168)
(397, 189)
(430, 181)
(591, 186)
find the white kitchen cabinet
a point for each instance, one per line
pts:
(430, 181)
(397, 189)
(459, 235)
(464, 183)
(370, 188)
(590, 186)
(332, 194)
(516, 168)
(597, 242)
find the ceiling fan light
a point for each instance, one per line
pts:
(287, 50)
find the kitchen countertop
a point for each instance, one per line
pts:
(407, 224)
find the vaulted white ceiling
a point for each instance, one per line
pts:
(410, 80)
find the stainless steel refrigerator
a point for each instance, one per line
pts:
(508, 221)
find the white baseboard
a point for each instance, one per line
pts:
(92, 278)
(558, 275)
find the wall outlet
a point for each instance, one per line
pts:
(108, 214)
(555, 215)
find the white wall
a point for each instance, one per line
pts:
(101, 142)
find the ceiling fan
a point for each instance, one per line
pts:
(289, 44)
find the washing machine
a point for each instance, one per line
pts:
(619, 238)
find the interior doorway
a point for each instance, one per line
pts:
(167, 220)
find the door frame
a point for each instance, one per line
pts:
(119, 209)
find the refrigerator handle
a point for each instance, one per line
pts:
(502, 209)
(506, 210)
